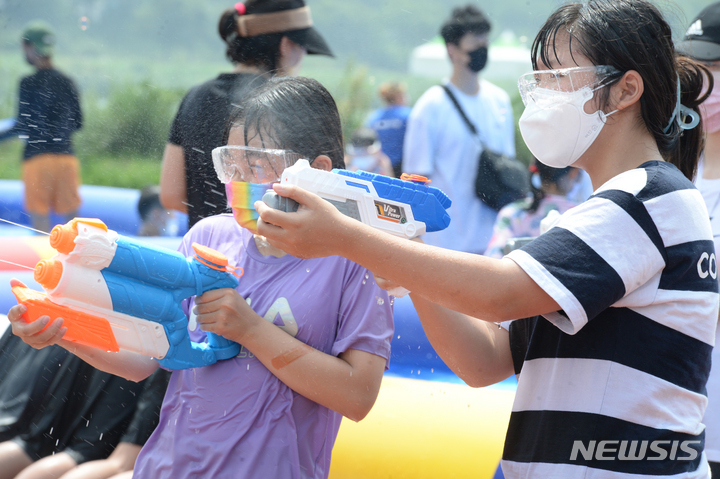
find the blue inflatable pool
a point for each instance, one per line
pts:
(116, 207)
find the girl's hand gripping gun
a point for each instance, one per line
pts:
(117, 293)
(403, 207)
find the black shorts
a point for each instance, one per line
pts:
(31, 383)
(69, 405)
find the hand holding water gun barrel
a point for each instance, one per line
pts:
(115, 293)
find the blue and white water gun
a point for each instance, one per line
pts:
(118, 293)
(402, 207)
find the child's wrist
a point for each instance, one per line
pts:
(253, 331)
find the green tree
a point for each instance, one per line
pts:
(353, 96)
(135, 121)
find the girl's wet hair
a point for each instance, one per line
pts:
(292, 113)
(632, 35)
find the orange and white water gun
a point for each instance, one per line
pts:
(115, 292)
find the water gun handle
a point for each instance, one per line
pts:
(275, 201)
(223, 347)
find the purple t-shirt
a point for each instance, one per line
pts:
(235, 418)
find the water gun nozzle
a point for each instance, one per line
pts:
(62, 237)
(48, 273)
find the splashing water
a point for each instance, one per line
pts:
(23, 226)
(18, 265)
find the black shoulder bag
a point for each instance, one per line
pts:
(500, 179)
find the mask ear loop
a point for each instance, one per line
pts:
(682, 113)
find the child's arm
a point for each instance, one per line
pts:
(478, 286)
(128, 365)
(477, 351)
(173, 193)
(348, 384)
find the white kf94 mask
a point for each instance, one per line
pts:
(554, 125)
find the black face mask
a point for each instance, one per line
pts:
(478, 59)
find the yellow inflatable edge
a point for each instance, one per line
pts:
(425, 429)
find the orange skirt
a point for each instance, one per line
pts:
(51, 182)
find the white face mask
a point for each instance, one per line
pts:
(556, 128)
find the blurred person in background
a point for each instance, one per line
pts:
(549, 187)
(439, 144)
(390, 122)
(48, 114)
(365, 152)
(263, 38)
(702, 43)
(156, 220)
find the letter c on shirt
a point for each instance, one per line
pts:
(711, 266)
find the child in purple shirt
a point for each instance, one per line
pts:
(315, 334)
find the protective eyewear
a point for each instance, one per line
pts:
(565, 80)
(251, 165)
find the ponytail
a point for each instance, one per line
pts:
(262, 51)
(683, 146)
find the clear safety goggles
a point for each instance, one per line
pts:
(566, 80)
(251, 165)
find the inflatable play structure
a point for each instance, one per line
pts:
(426, 422)
(116, 207)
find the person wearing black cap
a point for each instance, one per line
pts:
(702, 43)
(263, 38)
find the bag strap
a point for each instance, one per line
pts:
(459, 109)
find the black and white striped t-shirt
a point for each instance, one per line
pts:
(613, 386)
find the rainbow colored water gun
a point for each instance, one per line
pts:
(405, 207)
(115, 293)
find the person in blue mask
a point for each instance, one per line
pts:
(609, 317)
